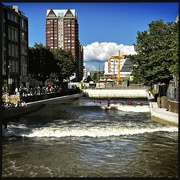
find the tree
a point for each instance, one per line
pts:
(95, 76)
(41, 62)
(156, 53)
(174, 50)
(66, 66)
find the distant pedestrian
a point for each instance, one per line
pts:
(149, 93)
(16, 91)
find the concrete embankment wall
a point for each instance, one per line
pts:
(161, 115)
(114, 93)
(46, 97)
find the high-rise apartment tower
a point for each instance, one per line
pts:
(62, 32)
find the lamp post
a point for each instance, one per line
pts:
(9, 77)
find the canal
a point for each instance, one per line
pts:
(78, 138)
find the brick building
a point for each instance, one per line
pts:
(62, 32)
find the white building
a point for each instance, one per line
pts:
(125, 68)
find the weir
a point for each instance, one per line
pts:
(116, 93)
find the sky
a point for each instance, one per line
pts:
(104, 28)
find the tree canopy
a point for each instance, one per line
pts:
(66, 65)
(156, 60)
(41, 62)
(45, 63)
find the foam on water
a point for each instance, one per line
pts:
(87, 131)
(129, 108)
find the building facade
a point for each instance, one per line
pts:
(14, 48)
(62, 31)
(118, 66)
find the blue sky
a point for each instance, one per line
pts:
(104, 28)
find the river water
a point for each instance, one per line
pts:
(78, 138)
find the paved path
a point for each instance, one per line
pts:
(161, 114)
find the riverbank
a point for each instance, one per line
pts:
(34, 103)
(49, 96)
(162, 115)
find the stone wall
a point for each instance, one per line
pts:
(171, 106)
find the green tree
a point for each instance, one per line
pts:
(41, 62)
(66, 66)
(174, 50)
(95, 76)
(156, 53)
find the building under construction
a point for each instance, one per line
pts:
(118, 68)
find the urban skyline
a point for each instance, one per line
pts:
(104, 28)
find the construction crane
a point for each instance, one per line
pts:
(118, 58)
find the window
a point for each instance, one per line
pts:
(12, 37)
(9, 33)
(22, 36)
(22, 23)
(13, 49)
(16, 36)
(13, 66)
(17, 69)
(12, 17)
(9, 16)
(23, 49)
(9, 49)
(15, 19)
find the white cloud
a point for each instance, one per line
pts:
(90, 67)
(102, 51)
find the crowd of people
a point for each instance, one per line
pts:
(23, 92)
(31, 91)
(39, 90)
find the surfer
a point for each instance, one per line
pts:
(108, 102)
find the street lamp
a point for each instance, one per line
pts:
(9, 77)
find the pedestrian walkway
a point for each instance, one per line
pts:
(161, 114)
